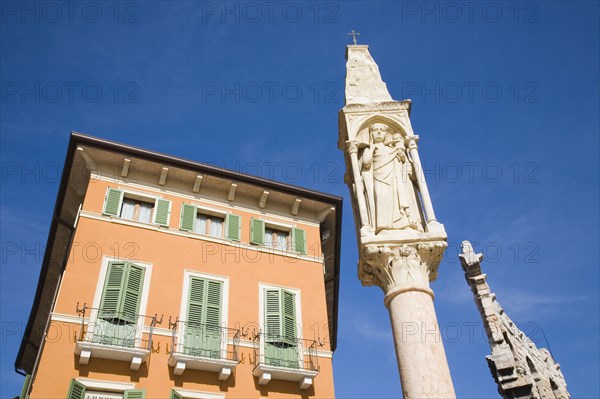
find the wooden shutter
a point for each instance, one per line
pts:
(113, 202)
(135, 394)
(130, 305)
(213, 303)
(196, 301)
(288, 316)
(188, 217)
(110, 305)
(272, 316)
(203, 333)
(76, 390)
(204, 304)
(299, 240)
(257, 231)
(233, 227)
(162, 212)
(25, 390)
(122, 292)
(176, 395)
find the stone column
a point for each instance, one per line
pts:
(403, 272)
(398, 255)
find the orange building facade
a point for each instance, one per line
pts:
(166, 278)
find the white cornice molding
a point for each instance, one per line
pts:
(207, 199)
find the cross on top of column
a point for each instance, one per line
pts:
(354, 34)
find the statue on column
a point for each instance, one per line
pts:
(387, 172)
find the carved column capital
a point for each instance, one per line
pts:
(411, 142)
(401, 268)
(352, 146)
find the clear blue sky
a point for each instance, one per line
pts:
(505, 99)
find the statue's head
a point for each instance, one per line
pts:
(378, 132)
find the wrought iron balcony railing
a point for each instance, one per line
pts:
(279, 351)
(119, 329)
(204, 347)
(205, 341)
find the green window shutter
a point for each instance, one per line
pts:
(299, 240)
(196, 301)
(76, 390)
(113, 289)
(188, 217)
(272, 316)
(162, 212)
(175, 395)
(289, 316)
(233, 227)
(132, 295)
(257, 231)
(213, 303)
(135, 394)
(25, 390)
(203, 333)
(113, 202)
(204, 305)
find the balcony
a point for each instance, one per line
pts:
(114, 336)
(204, 347)
(281, 358)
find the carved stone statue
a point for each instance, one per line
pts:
(387, 175)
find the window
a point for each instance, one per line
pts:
(277, 239)
(138, 210)
(106, 390)
(119, 307)
(211, 223)
(203, 333)
(274, 236)
(280, 332)
(137, 207)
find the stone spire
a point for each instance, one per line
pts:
(520, 369)
(363, 80)
(400, 241)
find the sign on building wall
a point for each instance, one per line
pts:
(103, 395)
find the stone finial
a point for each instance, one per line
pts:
(520, 369)
(363, 80)
(469, 260)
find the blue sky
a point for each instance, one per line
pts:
(505, 99)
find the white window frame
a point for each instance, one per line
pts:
(187, 394)
(269, 224)
(108, 386)
(100, 287)
(221, 213)
(145, 197)
(185, 293)
(262, 287)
